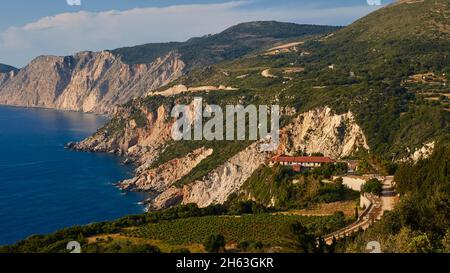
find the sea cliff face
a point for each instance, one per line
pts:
(316, 130)
(92, 82)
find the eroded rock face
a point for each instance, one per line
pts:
(164, 176)
(423, 153)
(319, 130)
(141, 145)
(88, 81)
(322, 131)
(220, 183)
(178, 89)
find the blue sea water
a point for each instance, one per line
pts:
(44, 187)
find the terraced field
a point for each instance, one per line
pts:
(268, 229)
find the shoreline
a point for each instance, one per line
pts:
(54, 109)
(84, 187)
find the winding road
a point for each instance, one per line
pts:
(374, 212)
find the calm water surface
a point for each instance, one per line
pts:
(44, 187)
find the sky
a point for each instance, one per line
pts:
(62, 27)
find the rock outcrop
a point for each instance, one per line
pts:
(122, 136)
(319, 130)
(421, 153)
(322, 131)
(220, 183)
(88, 81)
(159, 179)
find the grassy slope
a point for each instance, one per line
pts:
(229, 44)
(382, 49)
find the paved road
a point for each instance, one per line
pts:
(373, 213)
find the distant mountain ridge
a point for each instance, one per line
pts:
(98, 81)
(4, 68)
(231, 43)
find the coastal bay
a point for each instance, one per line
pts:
(45, 187)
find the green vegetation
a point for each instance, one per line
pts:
(230, 44)
(282, 188)
(111, 246)
(300, 240)
(215, 243)
(179, 226)
(421, 222)
(328, 170)
(269, 229)
(373, 186)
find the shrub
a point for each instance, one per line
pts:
(373, 186)
(215, 243)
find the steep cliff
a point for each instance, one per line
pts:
(165, 175)
(219, 184)
(322, 131)
(98, 81)
(318, 130)
(88, 81)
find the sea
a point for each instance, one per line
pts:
(45, 187)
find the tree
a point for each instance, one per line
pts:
(244, 246)
(364, 167)
(215, 243)
(300, 240)
(373, 186)
(446, 242)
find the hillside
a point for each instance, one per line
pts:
(92, 82)
(4, 68)
(251, 228)
(232, 43)
(363, 92)
(327, 109)
(404, 38)
(98, 81)
(420, 223)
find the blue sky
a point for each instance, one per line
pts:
(32, 28)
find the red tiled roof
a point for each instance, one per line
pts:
(302, 159)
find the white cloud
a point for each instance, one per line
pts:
(67, 33)
(74, 2)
